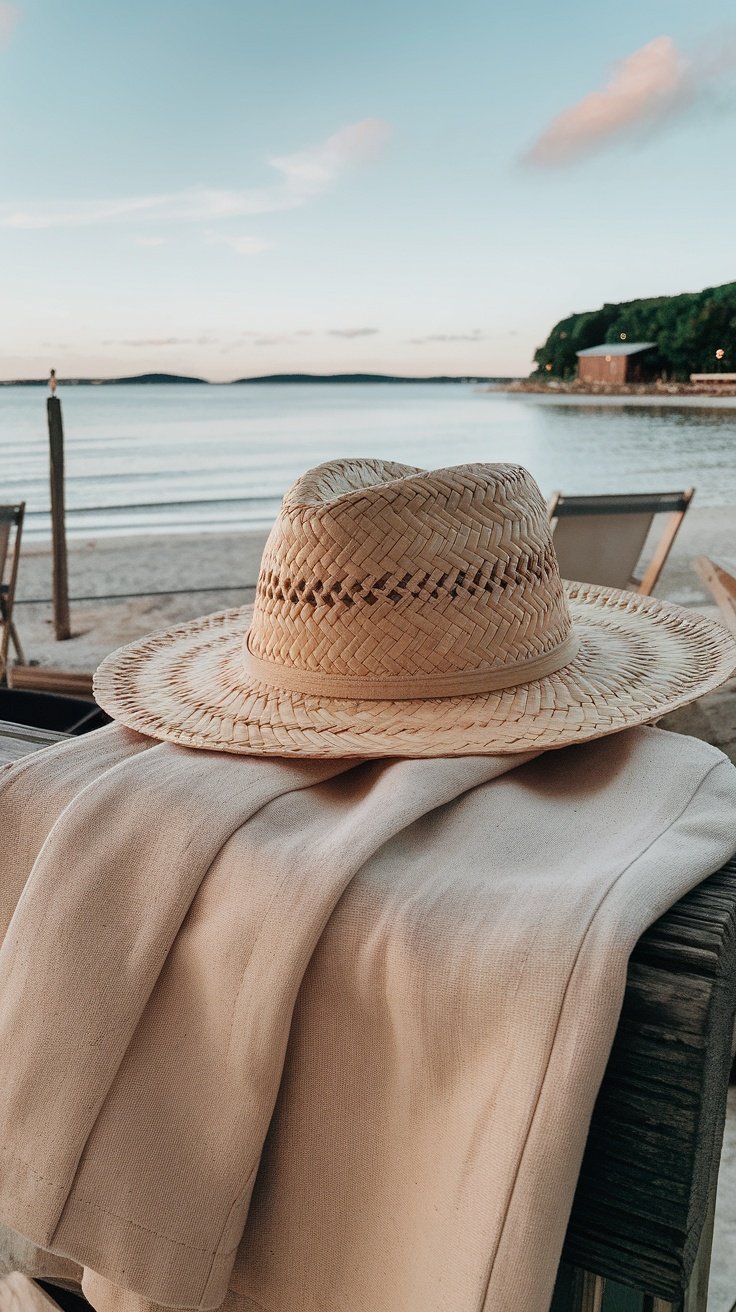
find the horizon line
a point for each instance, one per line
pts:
(154, 376)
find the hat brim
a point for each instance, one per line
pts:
(639, 658)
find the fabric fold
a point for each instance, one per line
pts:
(307, 1035)
(453, 1028)
(150, 970)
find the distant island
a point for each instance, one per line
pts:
(102, 382)
(366, 378)
(694, 332)
(261, 378)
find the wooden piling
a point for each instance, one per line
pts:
(60, 578)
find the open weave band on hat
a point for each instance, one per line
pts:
(406, 612)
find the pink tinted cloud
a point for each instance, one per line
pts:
(9, 15)
(649, 85)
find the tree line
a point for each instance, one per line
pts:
(695, 332)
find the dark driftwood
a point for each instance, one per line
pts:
(651, 1165)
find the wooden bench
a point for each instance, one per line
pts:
(640, 1232)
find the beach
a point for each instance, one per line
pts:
(170, 491)
(125, 587)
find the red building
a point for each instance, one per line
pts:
(615, 362)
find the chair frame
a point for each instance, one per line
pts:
(722, 586)
(45, 678)
(676, 503)
(10, 516)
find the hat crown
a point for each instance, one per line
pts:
(378, 570)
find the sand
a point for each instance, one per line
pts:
(123, 588)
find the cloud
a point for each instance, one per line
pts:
(160, 341)
(647, 88)
(352, 332)
(309, 171)
(303, 175)
(279, 339)
(261, 339)
(9, 16)
(150, 241)
(475, 336)
(192, 205)
(243, 244)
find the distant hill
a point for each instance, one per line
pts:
(262, 378)
(156, 378)
(102, 382)
(364, 378)
(688, 328)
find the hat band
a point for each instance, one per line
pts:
(286, 678)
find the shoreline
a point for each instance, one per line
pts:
(574, 387)
(278, 380)
(122, 588)
(160, 579)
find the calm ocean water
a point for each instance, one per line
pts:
(162, 459)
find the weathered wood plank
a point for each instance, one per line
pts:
(589, 1292)
(722, 586)
(59, 572)
(43, 678)
(18, 740)
(650, 1169)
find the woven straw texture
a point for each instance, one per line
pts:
(377, 570)
(380, 574)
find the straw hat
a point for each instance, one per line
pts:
(407, 613)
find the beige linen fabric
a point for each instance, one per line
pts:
(451, 937)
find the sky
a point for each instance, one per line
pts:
(228, 188)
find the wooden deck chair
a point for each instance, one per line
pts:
(11, 527)
(722, 587)
(600, 539)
